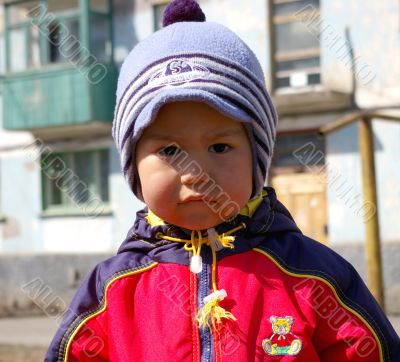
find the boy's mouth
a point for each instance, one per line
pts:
(202, 198)
(192, 198)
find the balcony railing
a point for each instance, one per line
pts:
(58, 97)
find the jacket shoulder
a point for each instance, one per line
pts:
(302, 257)
(300, 254)
(90, 296)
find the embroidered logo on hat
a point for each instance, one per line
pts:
(177, 72)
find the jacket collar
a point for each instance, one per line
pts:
(260, 216)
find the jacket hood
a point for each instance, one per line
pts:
(270, 217)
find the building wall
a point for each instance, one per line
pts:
(1, 113)
(20, 203)
(249, 20)
(1, 41)
(374, 33)
(27, 229)
(387, 158)
(346, 216)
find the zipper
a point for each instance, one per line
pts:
(206, 337)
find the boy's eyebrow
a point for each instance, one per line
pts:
(159, 137)
(209, 135)
(224, 133)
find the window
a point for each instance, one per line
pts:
(38, 33)
(310, 146)
(100, 34)
(100, 38)
(22, 39)
(296, 44)
(31, 43)
(74, 179)
(102, 6)
(158, 12)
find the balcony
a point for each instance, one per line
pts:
(60, 77)
(64, 96)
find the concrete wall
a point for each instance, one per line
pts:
(2, 65)
(41, 284)
(20, 203)
(374, 32)
(346, 215)
(27, 229)
(249, 20)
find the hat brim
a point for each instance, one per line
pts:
(150, 111)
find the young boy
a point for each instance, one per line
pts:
(214, 269)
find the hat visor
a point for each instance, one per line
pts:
(150, 111)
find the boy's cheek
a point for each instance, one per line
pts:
(152, 188)
(158, 188)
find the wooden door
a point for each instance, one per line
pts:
(304, 195)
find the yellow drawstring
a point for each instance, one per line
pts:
(211, 310)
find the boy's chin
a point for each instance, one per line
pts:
(198, 217)
(199, 224)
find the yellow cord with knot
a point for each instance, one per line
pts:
(211, 313)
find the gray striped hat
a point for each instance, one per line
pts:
(197, 61)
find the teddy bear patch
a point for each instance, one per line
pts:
(282, 342)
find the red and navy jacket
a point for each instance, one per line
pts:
(293, 298)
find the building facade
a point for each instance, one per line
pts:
(61, 189)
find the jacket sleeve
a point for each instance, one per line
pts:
(352, 326)
(89, 344)
(80, 337)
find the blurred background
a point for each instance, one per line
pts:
(64, 205)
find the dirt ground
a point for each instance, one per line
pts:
(21, 354)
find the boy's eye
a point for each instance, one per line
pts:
(219, 148)
(169, 151)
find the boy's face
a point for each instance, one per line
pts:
(182, 158)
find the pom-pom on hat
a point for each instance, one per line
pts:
(182, 10)
(195, 60)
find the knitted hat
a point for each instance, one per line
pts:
(191, 59)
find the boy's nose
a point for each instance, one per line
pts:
(194, 174)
